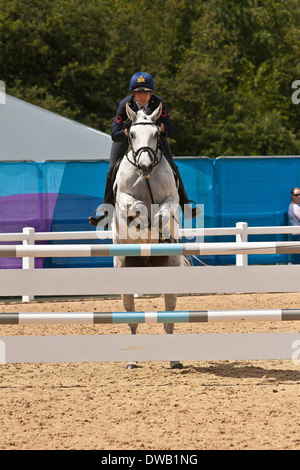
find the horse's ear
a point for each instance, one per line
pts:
(130, 113)
(155, 115)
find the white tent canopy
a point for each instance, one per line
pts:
(28, 132)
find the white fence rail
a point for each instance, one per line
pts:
(28, 282)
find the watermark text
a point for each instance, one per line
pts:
(2, 352)
(296, 352)
(162, 222)
(296, 94)
(2, 93)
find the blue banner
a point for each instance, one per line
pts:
(60, 196)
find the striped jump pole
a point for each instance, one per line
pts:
(147, 249)
(198, 316)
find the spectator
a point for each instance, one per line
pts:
(294, 219)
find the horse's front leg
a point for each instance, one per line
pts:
(170, 305)
(133, 218)
(166, 220)
(128, 302)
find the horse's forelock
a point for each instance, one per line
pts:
(142, 114)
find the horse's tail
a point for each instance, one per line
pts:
(189, 260)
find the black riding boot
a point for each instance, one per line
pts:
(118, 149)
(109, 200)
(183, 198)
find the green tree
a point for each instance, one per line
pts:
(224, 69)
(237, 76)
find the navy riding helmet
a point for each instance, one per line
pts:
(142, 81)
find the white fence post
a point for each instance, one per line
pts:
(28, 262)
(242, 260)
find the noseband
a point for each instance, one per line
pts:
(137, 154)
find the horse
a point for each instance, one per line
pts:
(146, 205)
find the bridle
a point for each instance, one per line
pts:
(155, 159)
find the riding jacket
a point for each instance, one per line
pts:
(118, 134)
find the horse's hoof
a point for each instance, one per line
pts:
(131, 366)
(177, 365)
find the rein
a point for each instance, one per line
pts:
(150, 191)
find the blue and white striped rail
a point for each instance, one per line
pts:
(198, 316)
(147, 249)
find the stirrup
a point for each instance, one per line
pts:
(93, 220)
(196, 211)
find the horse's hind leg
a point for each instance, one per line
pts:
(170, 305)
(128, 302)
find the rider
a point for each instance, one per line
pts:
(142, 86)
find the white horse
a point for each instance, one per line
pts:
(146, 209)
